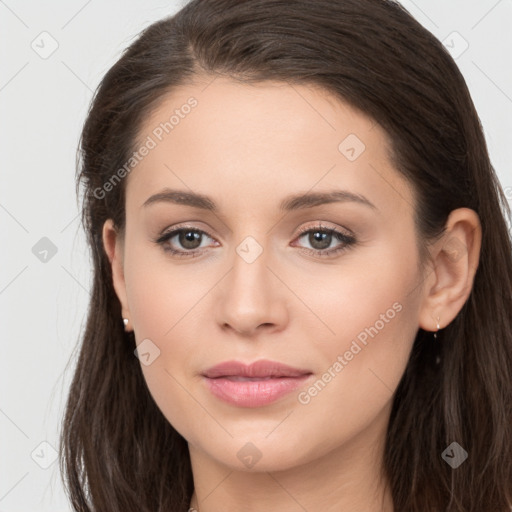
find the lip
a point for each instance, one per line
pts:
(253, 385)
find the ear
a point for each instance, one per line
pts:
(114, 246)
(455, 258)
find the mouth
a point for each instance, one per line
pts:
(254, 385)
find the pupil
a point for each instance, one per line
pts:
(323, 238)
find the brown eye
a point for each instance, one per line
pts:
(184, 241)
(189, 239)
(320, 240)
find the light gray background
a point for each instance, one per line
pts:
(43, 103)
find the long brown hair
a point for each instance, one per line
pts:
(118, 452)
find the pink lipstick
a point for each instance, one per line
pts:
(253, 385)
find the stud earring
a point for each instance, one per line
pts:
(435, 334)
(125, 322)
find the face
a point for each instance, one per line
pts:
(328, 286)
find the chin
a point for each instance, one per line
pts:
(264, 454)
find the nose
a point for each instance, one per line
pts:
(251, 298)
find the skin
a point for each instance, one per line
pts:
(248, 147)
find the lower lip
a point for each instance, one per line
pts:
(253, 393)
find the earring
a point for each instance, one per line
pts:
(125, 321)
(435, 334)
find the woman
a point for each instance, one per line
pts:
(302, 271)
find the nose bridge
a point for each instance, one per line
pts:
(249, 277)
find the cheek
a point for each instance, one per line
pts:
(160, 293)
(359, 380)
(372, 311)
(362, 366)
(165, 305)
(369, 296)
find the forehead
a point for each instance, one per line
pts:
(271, 138)
(270, 112)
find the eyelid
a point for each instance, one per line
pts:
(325, 227)
(184, 226)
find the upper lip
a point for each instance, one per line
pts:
(261, 368)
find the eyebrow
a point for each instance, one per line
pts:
(290, 203)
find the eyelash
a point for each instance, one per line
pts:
(347, 241)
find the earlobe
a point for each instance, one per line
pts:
(455, 260)
(113, 247)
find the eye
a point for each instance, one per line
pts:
(187, 241)
(188, 238)
(320, 239)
